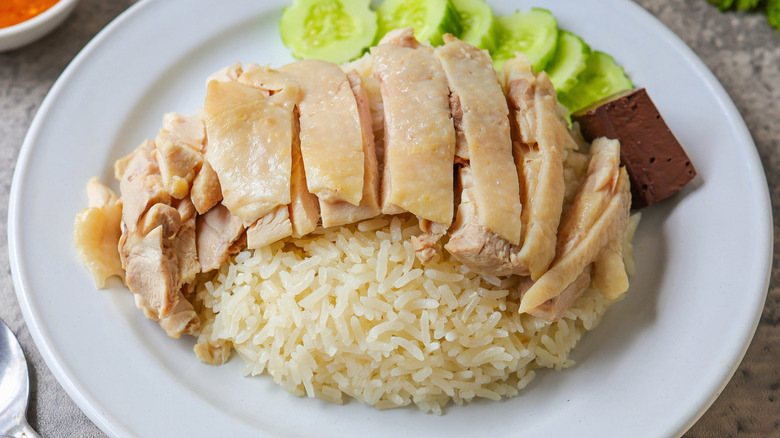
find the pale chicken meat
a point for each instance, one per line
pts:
(183, 320)
(427, 245)
(304, 208)
(330, 131)
(184, 242)
(206, 191)
(405, 129)
(179, 152)
(97, 232)
(482, 121)
(217, 232)
(555, 308)
(151, 270)
(609, 269)
(419, 136)
(156, 246)
(178, 163)
(539, 153)
(159, 215)
(598, 214)
(229, 73)
(249, 140)
(335, 213)
(187, 128)
(270, 228)
(140, 183)
(151, 266)
(480, 249)
(364, 67)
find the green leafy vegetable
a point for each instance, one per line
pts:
(773, 14)
(771, 8)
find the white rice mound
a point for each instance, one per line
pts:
(351, 311)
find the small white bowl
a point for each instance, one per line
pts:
(30, 30)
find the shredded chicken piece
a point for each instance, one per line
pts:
(481, 117)
(270, 228)
(140, 183)
(97, 231)
(539, 154)
(216, 233)
(553, 309)
(340, 212)
(599, 213)
(303, 209)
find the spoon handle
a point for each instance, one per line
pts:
(21, 430)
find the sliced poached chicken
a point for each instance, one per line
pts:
(419, 136)
(599, 212)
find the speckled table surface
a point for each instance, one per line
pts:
(740, 48)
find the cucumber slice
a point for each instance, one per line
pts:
(430, 19)
(571, 57)
(331, 30)
(601, 78)
(534, 33)
(480, 27)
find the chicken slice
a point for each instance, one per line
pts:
(481, 119)
(140, 183)
(97, 231)
(330, 131)
(481, 250)
(179, 151)
(539, 155)
(419, 137)
(364, 66)
(226, 74)
(184, 243)
(160, 215)
(303, 209)
(205, 192)
(186, 128)
(183, 320)
(152, 271)
(249, 141)
(427, 245)
(599, 214)
(553, 309)
(178, 162)
(609, 271)
(270, 228)
(339, 212)
(216, 233)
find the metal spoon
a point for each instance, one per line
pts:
(14, 387)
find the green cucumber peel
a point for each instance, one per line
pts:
(570, 59)
(601, 78)
(534, 32)
(480, 27)
(430, 19)
(331, 30)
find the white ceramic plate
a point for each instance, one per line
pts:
(658, 360)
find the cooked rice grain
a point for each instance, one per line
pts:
(351, 311)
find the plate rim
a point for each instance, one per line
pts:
(89, 404)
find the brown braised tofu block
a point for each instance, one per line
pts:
(657, 165)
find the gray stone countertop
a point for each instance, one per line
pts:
(740, 48)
